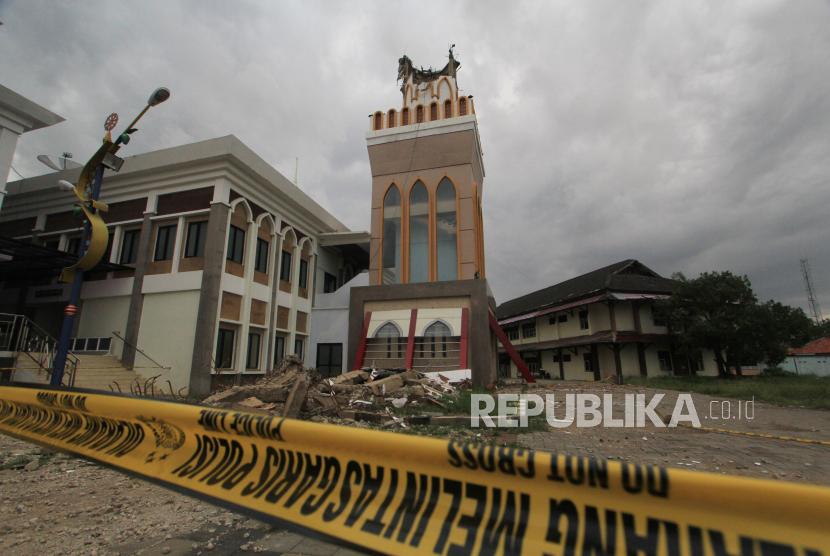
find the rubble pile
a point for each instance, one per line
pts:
(295, 392)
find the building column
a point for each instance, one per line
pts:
(561, 364)
(617, 361)
(641, 355)
(145, 250)
(595, 362)
(271, 322)
(208, 313)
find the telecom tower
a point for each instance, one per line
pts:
(815, 310)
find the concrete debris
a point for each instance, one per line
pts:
(294, 392)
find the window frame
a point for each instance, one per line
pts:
(584, 323)
(333, 369)
(587, 361)
(529, 330)
(168, 246)
(447, 109)
(302, 279)
(235, 246)
(253, 350)
(135, 237)
(285, 266)
(299, 345)
(198, 241)
(279, 349)
(221, 342)
(259, 264)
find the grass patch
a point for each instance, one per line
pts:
(15, 462)
(793, 390)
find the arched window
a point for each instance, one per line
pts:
(462, 106)
(378, 121)
(448, 109)
(405, 116)
(391, 238)
(392, 119)
(419, 233)
(392, 335)
(446, 231)
(419, 114)
(433, 111)
(435, 340)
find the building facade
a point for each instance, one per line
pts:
(221, 259)
(598, 325)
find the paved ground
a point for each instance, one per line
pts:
(64, 506)
(696, 449)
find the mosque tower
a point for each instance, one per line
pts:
(427, 182)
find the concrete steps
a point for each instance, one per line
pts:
(96, 372)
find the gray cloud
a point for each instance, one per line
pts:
(692, 136)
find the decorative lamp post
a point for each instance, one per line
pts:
(96, 236)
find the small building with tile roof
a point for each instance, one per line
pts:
(812, 359)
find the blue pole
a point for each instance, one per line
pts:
(74, 297)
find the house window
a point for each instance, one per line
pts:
(664, 360)
(261, 261)
(129, 246)
(435, 340)
(329, 283)
(236, 244)
(253, 351)
(586, 360)
(446, 231)
(405, 116)
(378, 121)
(419, 114)
(224, 349)
(448, 109)
(462, 107)
(552, 321)
(512, 333)
(657, 321)
(329, 359)
(393, 339)
(73, 246)
(391, 119)
(165, 242)
(583, 320)
(196, 236)
(566, 358)
(391, 239)
(562, 318)
(418, 233)
(531, 360)
(279, 350)
(298, 348)
(303, 273)
(433, 112)
(529, 330)
(285, 267)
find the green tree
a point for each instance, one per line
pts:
(719, 311)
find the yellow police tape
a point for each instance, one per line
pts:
(398, 494)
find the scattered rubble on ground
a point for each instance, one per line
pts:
(369, 394)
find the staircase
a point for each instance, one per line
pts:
(33, 350)
(99, 372)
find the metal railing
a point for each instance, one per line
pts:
(19, 334)
(120, 337)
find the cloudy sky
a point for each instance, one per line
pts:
(691, 136)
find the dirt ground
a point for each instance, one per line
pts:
(53, 504)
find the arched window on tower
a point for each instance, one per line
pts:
(419, 114)
(448, 109)
(419, 233)
(391, 337)
(391, 238)
(446, 231)
(405, 116)
(433, 111)
(378, 121)
(462, 106)
(392, 119)
(436, 337)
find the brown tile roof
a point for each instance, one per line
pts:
(821, 346)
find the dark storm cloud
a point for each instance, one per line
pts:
(691, 136)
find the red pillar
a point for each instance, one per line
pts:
(494, 325)
(361, 349)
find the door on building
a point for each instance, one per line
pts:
(329, 359)
(504, 365)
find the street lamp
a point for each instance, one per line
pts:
(95, 237)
